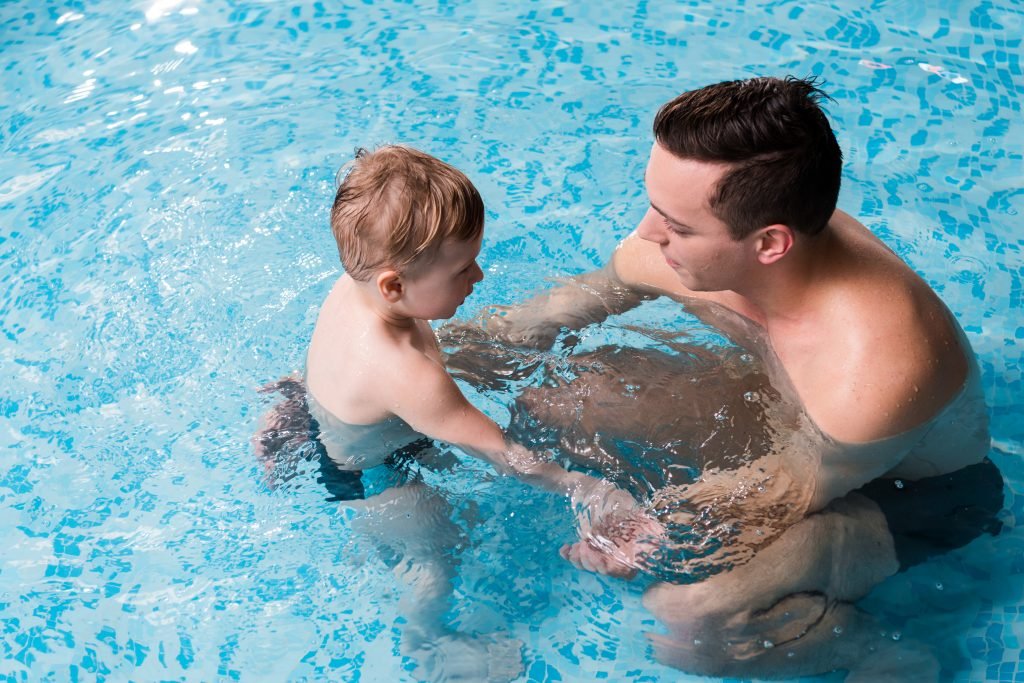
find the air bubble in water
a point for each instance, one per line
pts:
(896, 635)
(898, 483)
(838, 630)
(768, 644)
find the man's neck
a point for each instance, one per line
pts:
(788, 292)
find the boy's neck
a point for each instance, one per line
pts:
(393, 319)
(370, 298)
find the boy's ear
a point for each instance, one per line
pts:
(774, 242)
(389, 284)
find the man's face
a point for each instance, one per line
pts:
(695, 244)
(434, 290)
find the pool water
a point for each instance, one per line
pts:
(165, 182)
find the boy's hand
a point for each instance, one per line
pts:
(615, 531)
(286, 424)
(618, 547)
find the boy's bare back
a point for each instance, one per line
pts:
(369, 375)
(357, 363)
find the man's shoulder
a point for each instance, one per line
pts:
(889, 357)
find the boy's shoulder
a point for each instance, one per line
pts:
(361, 369)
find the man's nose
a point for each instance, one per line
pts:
(650, 227)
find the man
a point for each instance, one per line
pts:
(743, 181)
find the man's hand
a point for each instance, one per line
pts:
(583, 555)
(573, 303)
(618, 549)
(528, 327)
(483, 360)
(522, 327)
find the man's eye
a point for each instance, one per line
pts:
(673, 227)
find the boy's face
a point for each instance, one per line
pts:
(435, 290)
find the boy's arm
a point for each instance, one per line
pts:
(440, 411)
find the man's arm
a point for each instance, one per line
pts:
(637, 271)
(574, 303)
(501, 344)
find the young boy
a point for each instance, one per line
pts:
(409, 229)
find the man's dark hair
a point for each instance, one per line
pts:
(785, 163)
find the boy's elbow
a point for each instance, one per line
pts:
(522, 463)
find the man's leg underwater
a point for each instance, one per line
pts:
(788, 611)
(619, 408)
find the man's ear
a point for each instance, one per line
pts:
(774, 242)
(389, 284)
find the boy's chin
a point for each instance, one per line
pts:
(446, 315)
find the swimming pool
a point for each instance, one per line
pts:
(164, 190)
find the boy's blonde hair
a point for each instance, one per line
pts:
(397, 205)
